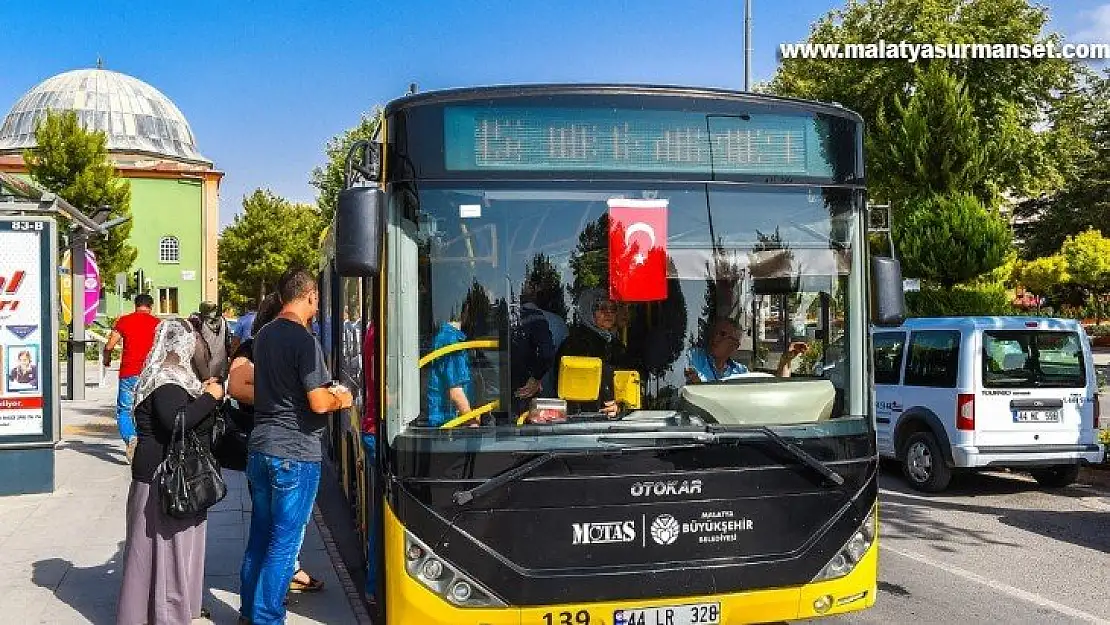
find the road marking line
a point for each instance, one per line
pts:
(884, 491)
(1033, 598)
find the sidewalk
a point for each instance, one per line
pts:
(61, 552)
(1101, 356)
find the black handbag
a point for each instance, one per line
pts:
(189, 480)
(230, 436)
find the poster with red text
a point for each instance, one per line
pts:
(26, 362)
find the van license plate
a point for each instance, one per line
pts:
(691, 614)
(1037, 416)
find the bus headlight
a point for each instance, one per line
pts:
(852, 552)
(443, 578)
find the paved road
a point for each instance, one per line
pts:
(993, 549)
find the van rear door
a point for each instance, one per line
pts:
(1033, 389)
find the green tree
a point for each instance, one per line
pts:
(542, 276)
(1084, 201)
(930, 145)
(951, 240)
(589, 262)
(73, 163)
(1005, 275)
(1043, 275)
(1088, 258)
(271, 235)
(328, 179)
(1009, 99)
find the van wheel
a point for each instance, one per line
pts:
(1057, 477)
(923, 464)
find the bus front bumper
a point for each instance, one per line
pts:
(411, 603)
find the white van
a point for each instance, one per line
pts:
(972, 393)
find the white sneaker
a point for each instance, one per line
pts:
(132, 443)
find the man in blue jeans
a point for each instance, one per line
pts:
(293, 398)
(136, 330)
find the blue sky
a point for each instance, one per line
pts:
(265, 84)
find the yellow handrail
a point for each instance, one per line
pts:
(454, 347)
(467, 416)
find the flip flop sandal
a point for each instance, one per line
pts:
(313, 584)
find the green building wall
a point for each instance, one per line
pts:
(165, 207)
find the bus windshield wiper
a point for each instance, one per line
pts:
(715, 436)
(801, 455)
(463, 497)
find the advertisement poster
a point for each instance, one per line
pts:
(92, 288)
(26, 359)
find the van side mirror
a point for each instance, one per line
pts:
(888, 301)
(358, 231)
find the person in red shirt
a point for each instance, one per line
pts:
(137, 331)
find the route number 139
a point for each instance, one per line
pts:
(581, 617)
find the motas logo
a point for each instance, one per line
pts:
(604, 532)
(665, 529)
(662, 489)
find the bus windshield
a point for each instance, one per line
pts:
(709, 305)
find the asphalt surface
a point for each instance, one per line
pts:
(992, 549)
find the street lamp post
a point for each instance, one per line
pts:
(747, 45)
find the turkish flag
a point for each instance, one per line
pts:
(637, 250)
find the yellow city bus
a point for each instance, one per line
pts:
(620, 356)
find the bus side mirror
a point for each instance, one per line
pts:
(888, 301)
(358, 231)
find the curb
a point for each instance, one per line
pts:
(354, 595)
(1094, 477)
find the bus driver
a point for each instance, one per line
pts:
(714, 362)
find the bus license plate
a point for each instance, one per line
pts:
(692, 614)
(1037, 416)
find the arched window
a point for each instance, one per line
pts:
(169, 250)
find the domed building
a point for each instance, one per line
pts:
(174, 188)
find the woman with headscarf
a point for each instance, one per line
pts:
(594, 334)
(163, 569)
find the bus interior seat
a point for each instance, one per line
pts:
(763, 403)
(1013, 362)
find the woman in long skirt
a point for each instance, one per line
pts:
(163, 563)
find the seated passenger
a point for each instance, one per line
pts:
(533, 350)
(715, 362)
(449, 383)
(593, 335)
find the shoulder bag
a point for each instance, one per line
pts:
(230, 436)
(188, 480)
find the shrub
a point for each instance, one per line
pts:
(951, 240)
(933, 301)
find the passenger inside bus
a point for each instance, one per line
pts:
(714, 361)
(449, 380)
(533, 349)
(594, 335)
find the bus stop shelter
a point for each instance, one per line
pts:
(30, 415)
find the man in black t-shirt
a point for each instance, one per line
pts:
(293, 396)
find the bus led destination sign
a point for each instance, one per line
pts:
(563, 139)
